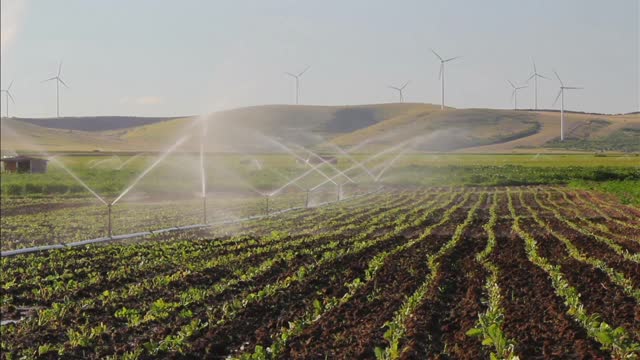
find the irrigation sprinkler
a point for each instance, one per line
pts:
(266, 205)
(339, 192)
(204, 209)
(109, 230)
(306, 200)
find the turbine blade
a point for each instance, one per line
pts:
(542, 76)
(436, 54)
(65, 85)
(59, 68)
(395, 88)
(304, 71)
(11, 97)
(10, 85)
(522, 87)
(535, 71)
(290, 74)
(573, 88)
(558, 76)
(513, 94)
(53, 78)
(405, 85)
(557, 97)
(453, 58)
(531, 77)
(510, 83)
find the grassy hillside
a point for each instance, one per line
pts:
(368, 127)
(94, 123)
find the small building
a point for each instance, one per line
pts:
(24, 164)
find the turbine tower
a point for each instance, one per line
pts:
(8, 96)
(399, 89)
(561, 95)
(514, 94)
(297, 77)
(58, 82)
(535, 75)
(441, 75)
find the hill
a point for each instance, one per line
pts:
(368, 127)
(94, 123)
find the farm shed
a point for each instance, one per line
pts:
(24, 164)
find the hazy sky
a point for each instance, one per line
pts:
(166, 58)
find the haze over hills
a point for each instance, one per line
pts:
(377, 126)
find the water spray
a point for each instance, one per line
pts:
(147, 170)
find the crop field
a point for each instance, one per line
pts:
(407, 272)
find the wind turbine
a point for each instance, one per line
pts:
(514, 94)
(58, 82)
(399, 89)
(441, 75)
(297, 77)
(535, 75)
(8, 96)
(561, 95)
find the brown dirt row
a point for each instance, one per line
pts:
(622, 212)
(627, 237)
(258, 321)
(599, 294)
(133, 277)
(535, 317)
(451, 307)
(354, 329)
(590, 246)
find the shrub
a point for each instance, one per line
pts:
(55, 188)
(14, 189)
(31, 188)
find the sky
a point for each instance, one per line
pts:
(188, 57)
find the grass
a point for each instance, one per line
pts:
(180, 174)
(627, 191)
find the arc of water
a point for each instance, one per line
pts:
(124, 163)
(273, 171)
(360, 165)
(155, 163)
(292, 153)
(59, 163)
(386, 151)
(326, 162)
(386, 167)
(294, 181)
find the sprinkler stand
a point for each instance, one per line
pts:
(204, 209)
(306, 200)
(267, 204)
(109, 231)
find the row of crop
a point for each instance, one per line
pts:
(610, 243)
(357, 243)
(626, 223)
(615, 276)
(489, 325)
(616, 340)
(65, 265)
(112, 296)
(323, 305)
(595, 227)
(396, 327)
(152, 261)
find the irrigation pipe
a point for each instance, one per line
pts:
(166, 230)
